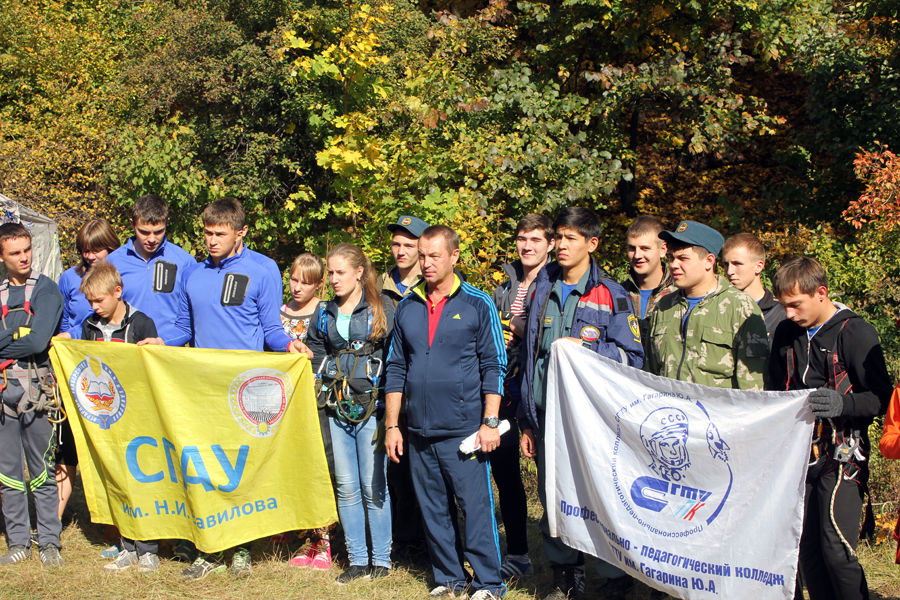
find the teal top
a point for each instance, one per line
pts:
(558, 319)
(343, 325)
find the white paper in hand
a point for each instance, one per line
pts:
(467, 446)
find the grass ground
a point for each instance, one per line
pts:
(273, 578)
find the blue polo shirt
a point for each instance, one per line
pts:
(229, 306)
(154, 286)
(76, 308)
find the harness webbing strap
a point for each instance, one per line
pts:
(29, 291)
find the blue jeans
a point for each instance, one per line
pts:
(361, 473)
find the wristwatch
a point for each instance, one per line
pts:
(492, 422)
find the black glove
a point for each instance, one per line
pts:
(826, 403)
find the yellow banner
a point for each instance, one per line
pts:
(218, 447)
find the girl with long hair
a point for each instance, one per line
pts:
(349, 338)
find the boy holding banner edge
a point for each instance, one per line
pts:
(229, 304)
(114, 320)
(152, 268)
(825, 347)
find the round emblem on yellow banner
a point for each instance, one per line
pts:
(258, 399)
(97, 392)
(589, 333)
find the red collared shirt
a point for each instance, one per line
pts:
(434, 316)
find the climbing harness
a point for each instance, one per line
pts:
(352, 398)
(41, 395)
(838, 444)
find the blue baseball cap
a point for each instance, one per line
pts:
(695, 234)
(412, 225)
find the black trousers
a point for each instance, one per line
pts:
(407, 516)
(830, 571)
(513, 502)
(140, 546)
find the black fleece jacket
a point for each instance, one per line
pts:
(859, 352)
(135, 326)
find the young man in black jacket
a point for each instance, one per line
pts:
(534, 242)
(827, 348)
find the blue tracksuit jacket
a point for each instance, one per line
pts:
(270, 266)
(231, 306)
(76, 308)
(445, 383)
(154, 287)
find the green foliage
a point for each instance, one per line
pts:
(157, 159)
(853, 70)
(56, 60)
(330, 118)
(205, 100)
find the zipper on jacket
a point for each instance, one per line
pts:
(427, 370)
(683, 343)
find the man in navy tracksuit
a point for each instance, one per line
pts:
(572, 299)
(448, 355)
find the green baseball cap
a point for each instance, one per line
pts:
(412, 225)
(695, 234)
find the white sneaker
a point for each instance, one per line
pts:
(148, 563)
(442, 591)
(124, 561)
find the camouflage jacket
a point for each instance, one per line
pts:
(723, 344)
(385, 286)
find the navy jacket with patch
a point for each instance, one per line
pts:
(604, 305)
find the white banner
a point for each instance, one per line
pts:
(696, 491)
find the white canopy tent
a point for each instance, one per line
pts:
(46, 255)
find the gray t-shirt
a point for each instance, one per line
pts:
(107, 329)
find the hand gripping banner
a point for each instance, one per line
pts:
(217, 447)
(696, 491)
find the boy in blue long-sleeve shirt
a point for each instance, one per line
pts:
(228, 304)
(229, 301)
(153, 269)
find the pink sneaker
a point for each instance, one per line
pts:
(322, 560)
(304, 560)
